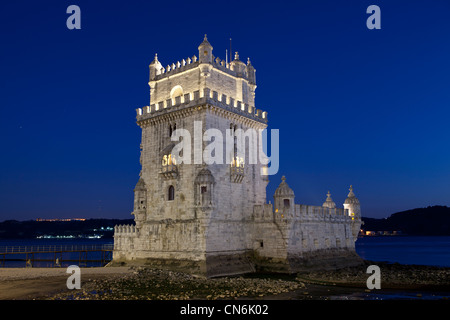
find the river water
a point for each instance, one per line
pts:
(402, 249)
(425, 250)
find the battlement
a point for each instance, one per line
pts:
(175, 68)
(205, 96)
(301, 213)
(125, 230)
(190, 63)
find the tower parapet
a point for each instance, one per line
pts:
(235, 68)
(232, 84)
(206, 96)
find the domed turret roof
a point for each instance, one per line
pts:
(283, 189)
(205, 43)
(351, 198)
(204, 177)
(236, 60)
(155, 61)
(329, 203)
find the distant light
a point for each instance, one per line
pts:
(68, 219)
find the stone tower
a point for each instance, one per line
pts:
(203, 211)
(191, 213)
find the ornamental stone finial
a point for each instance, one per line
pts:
(351, 194)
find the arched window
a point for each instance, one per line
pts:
(171, 193)
(176, 92)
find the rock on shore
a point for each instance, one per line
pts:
(141, 283)
(393, 276)
(154, 284)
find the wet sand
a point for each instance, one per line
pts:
(39, 283)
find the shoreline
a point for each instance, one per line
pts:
(141, 283)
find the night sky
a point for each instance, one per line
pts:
(354, 106)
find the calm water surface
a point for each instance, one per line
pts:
(433, 251)
(402, 249)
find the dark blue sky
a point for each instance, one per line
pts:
(353, 106)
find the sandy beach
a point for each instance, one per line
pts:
(140, 283)
(39, 283)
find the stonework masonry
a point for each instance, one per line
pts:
(214, 220)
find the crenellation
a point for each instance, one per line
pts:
(187, 97)
(232, 102)
(193, 98)
(124, 230)
(196, 95)
(206, 93)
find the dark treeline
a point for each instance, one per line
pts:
(430, 221)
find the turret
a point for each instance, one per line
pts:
(155, 68)
(140, 202)
(205, 51)
(354, 211)
(238, 66)
(284, 198)
(205, 57)
(329, 203)
(251, 72)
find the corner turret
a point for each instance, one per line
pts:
(284, 198)
(329, 203)
(155, 68)
(251, 72)
(140, 202)
(238, 66)
(205, 51)
(354, 211)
